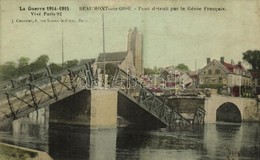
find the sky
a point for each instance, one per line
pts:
(169, 37)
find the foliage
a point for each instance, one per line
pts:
(23, 62)
(43, 60)
(71, 63)
(8, 70)
(23, 65)
(11, 69)
(212, 86)
(40, 62)
(253, 58)
(182, 67)
(55, 68)
(148, 71)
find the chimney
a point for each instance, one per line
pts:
(208, 60)
(239, 63)
(222, 60)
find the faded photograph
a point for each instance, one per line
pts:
(129, 80)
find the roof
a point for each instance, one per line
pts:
(101, 65)
(231, 67)
(216, 62)
(112, 57)
(156, 90)
(192, 76)
(227, 67)
(255, 74)
(91, 61)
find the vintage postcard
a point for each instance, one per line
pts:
(148, 80)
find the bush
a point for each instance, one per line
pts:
(212, 86)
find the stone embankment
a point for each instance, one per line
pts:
(11, 152)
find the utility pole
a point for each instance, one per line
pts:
(104, 51)
(62, 48)
(196, 66)
(196, 74)
(175, 82)
(240, 88)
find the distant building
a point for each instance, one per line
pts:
(175, 77)
(135, 45)
(221, 72)
(130, 60)
(115, 58)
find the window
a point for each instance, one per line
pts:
(220, 80)
(258, 81)
(217, 71)
(209, 71)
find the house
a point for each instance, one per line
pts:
(219, 72)
(174, 76)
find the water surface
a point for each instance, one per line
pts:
(213, 141)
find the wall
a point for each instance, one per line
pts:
(248, 107)
(103, 108)
(94, 108)
(128, 63)
(139, 54)
(13, 152)
(252, 111)
(74, 109)
(214, 77)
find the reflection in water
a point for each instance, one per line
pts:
(103, 144)
(159, 144)
(221, 141)
(69, 143)
(31, 132)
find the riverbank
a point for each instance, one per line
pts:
(11, 152)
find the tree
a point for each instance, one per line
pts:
(9, 70)
(182, 67)
(253, 58)
(1, 73)
(148, 71)
(40, 63)
(23, 61)
(55, 68)
(42, 60)
(72, 63)
(23, 65)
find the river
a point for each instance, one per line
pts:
(212, 141)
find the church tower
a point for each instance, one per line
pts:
(135, 45)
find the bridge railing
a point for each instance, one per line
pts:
(41, 89)
(22, 80)
(134, 90)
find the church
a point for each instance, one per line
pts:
(130, 60)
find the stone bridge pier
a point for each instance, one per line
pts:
(231, 109)
(94, 108)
